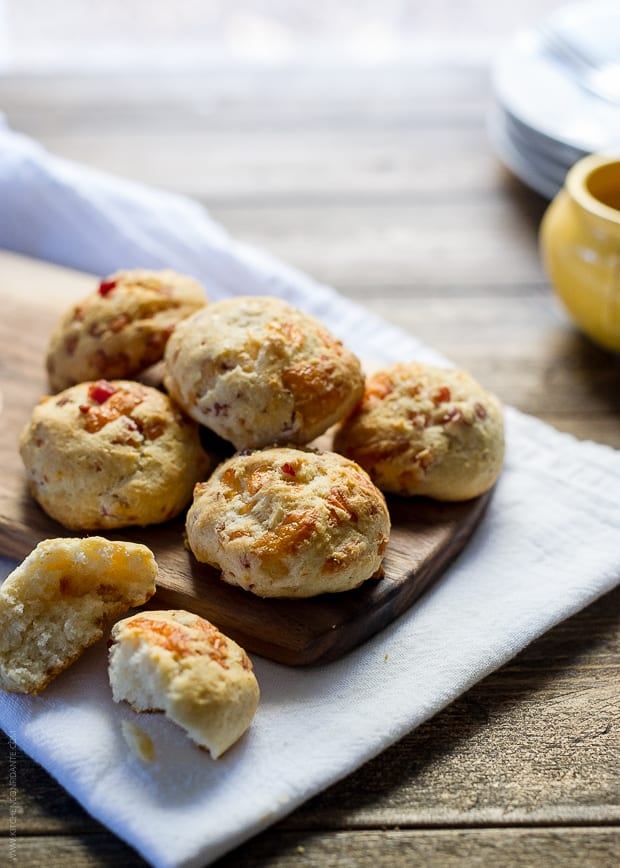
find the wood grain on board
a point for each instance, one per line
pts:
(425, 537)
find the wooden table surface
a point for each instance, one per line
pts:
(382, 183)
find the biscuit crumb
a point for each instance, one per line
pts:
(139, 743)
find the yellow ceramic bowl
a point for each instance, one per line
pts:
(580, 247)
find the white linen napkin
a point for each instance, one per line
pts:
(547, 547)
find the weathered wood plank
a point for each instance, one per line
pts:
(422, 243)
(99, 849)
(320, 169)
(476, 848)
(375, 125)
(243, 95)
(514, 848)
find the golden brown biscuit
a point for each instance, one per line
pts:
(289, 523)
(122, 327)
(258, 372)
(57, 602)
(426, 430)
(181, 664)
(111, 454)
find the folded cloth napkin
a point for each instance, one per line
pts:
(547, 547)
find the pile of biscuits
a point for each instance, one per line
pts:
(255, 377)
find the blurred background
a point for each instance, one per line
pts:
(368, 164)
(79, 35)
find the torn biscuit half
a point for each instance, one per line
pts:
(181, 664)
(60, 600)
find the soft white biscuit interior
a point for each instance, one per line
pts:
(57, 602)
(179, 663)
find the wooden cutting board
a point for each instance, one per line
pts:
(426, 536)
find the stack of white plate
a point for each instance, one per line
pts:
(546, 115)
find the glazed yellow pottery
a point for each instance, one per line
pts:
(580, 247)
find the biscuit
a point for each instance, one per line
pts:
(121, 328)
(257, 372)
(181, 664)
(285, 522)
(111, 454)
(57, 602)
(426, 430)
